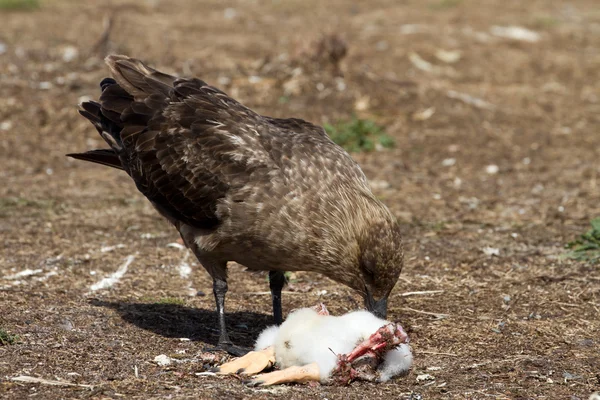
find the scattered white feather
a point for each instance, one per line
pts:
(492, 169)
(425, 377)
(109, 281)
(163, 360)
(448, 162)
(206, 373)
(491, 251)
(6, 125)
(69, 53)
(515, 33)
(24, 273)
(176, 245)
(184, 268)
(106, 249)
(46, 275)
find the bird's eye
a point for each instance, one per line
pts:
(368, 274)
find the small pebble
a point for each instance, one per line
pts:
(162, 360)
(492, 169)
(425, 377)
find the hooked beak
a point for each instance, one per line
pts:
(378, 308)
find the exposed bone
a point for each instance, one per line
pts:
(362, 362)
(321, 309)
(385, 338)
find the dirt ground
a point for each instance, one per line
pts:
(495, 169)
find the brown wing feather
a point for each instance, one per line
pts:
(297, 143)
(101, 156)
(188, 149)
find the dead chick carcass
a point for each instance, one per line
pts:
(312, 345)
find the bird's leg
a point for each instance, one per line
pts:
(250, 364)
(220, 290)
(276, 282)
(305, 373)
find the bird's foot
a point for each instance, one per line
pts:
(250, 364)
(306, 373)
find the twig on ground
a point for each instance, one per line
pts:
(470, 100)
(283, 292)
(33, 379)
(435, 353)
(419, 293)
(437, 315)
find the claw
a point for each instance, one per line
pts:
(253, 382)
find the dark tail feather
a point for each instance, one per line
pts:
(125, 107)
(138, 79)
(106, 121)
(102, 156)
(106, 82)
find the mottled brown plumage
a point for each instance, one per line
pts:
(271, 194)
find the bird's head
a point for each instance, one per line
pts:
(380, 263)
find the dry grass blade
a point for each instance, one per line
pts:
(437, 315)
(286, 292)
(436, 353)
(470, 100)
(33, 379)
(420, 293)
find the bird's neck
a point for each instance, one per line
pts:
(354, 231)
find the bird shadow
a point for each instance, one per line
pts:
(177, 321)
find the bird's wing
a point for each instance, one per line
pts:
(187, 145)
(308, 156)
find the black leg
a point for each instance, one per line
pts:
(220, 290)
(276, 282)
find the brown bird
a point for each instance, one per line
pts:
(271, 194)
